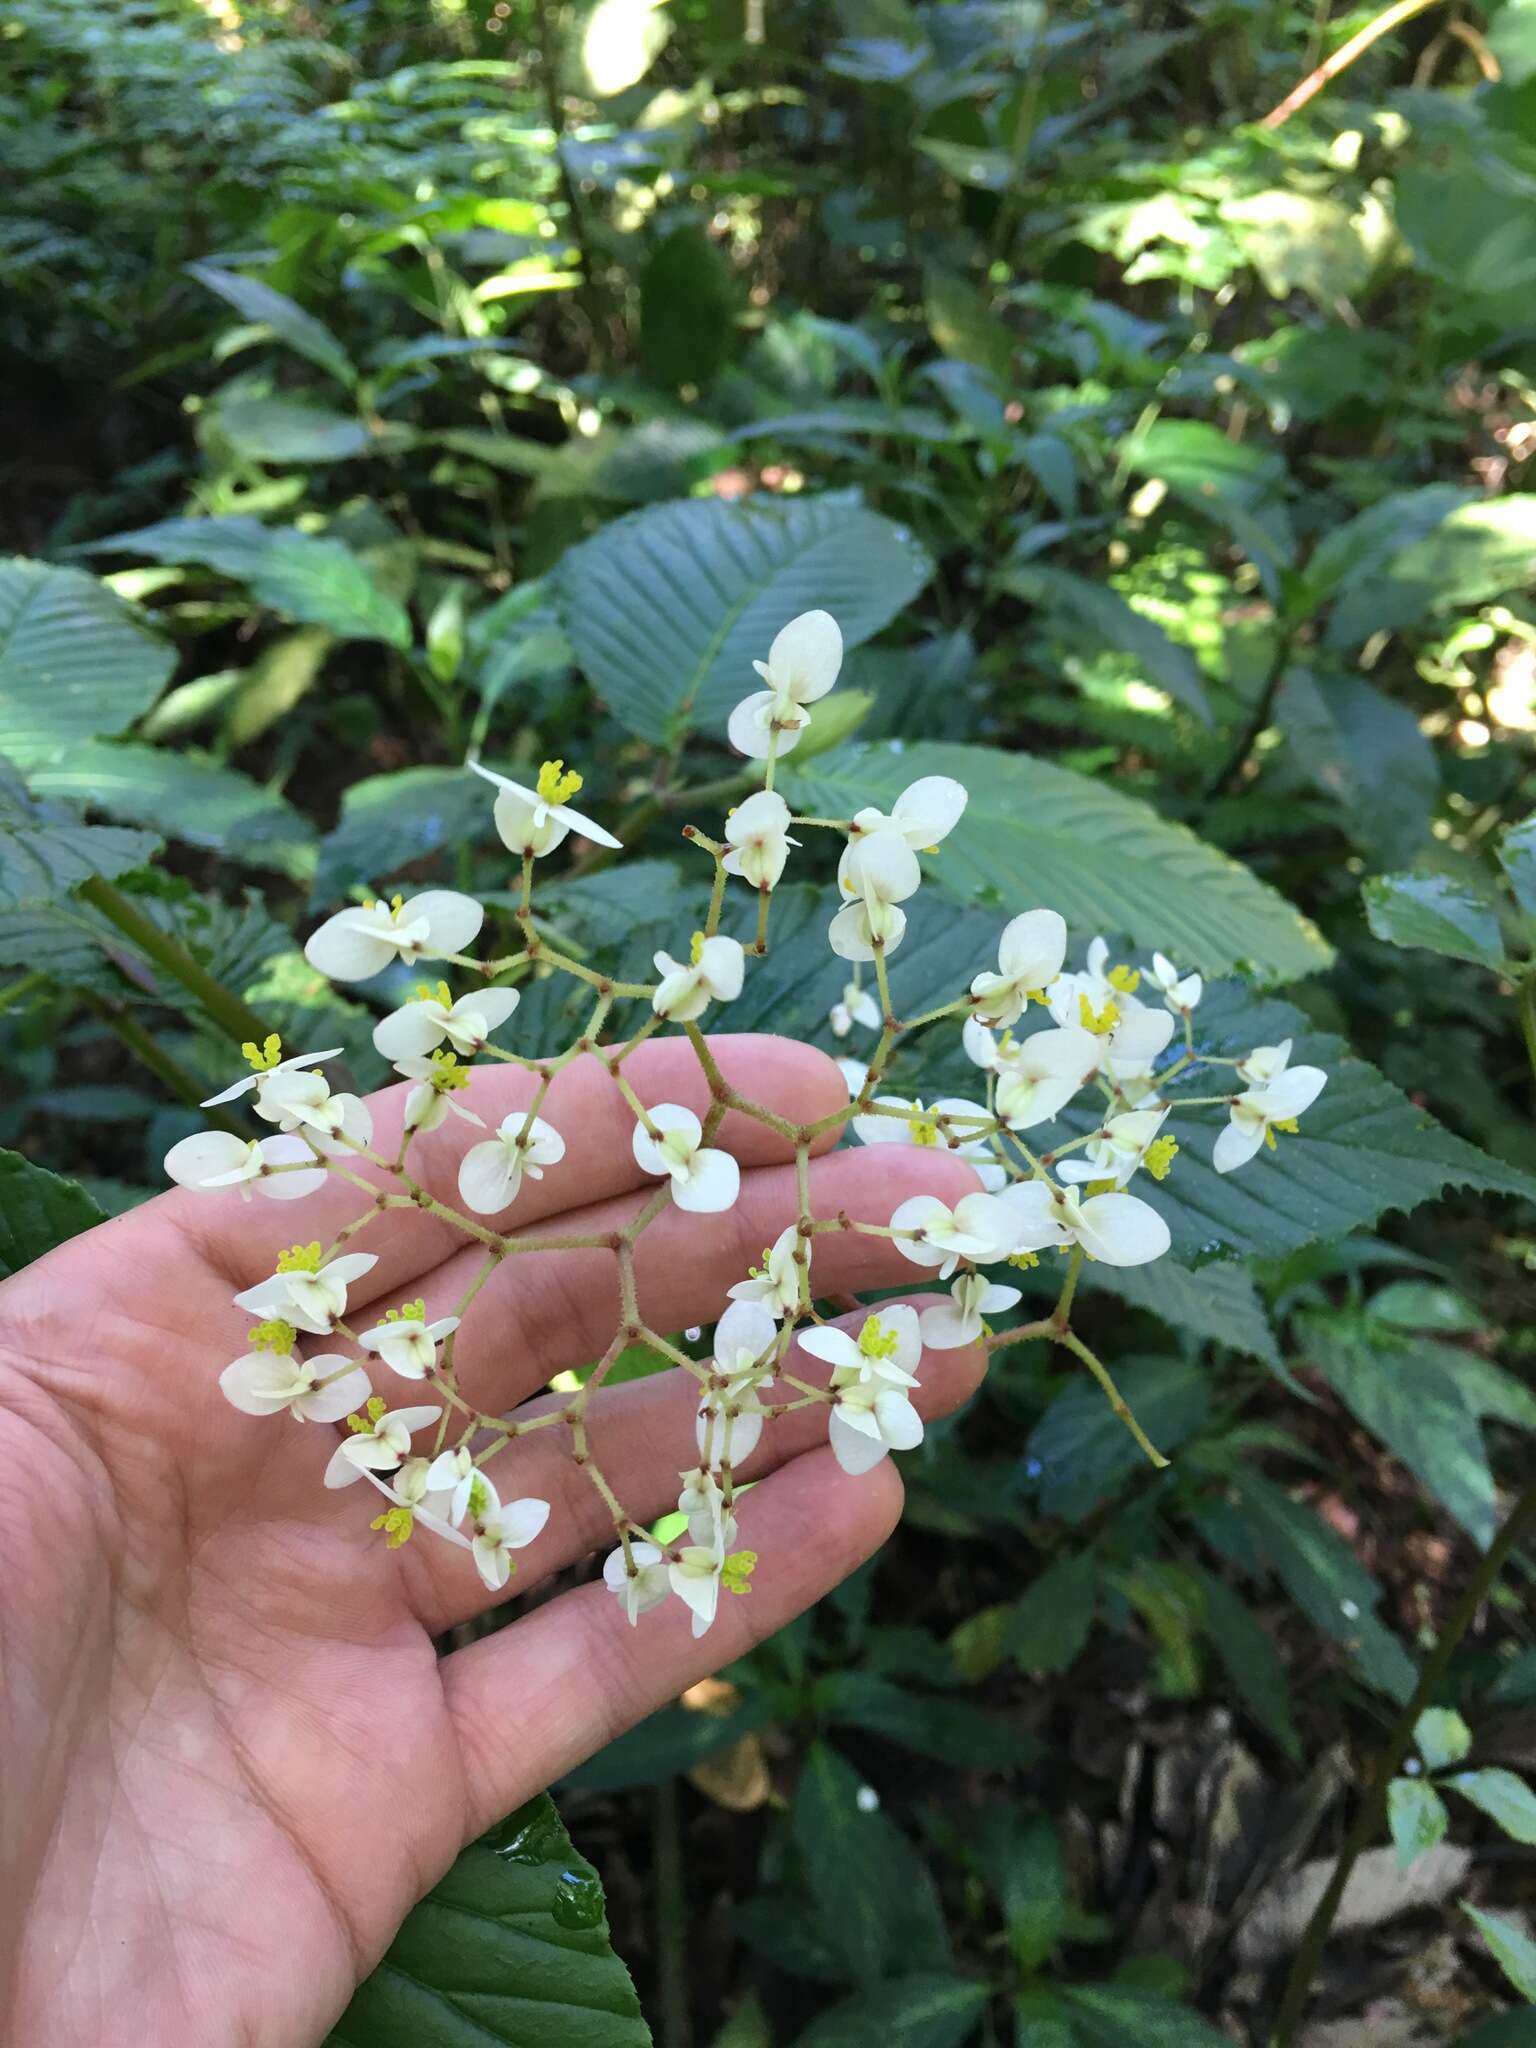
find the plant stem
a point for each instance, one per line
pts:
(1371, 1817)
(1345, 55)
(1258, 719)
(149, 1053)
(233, 1016)
(671, 1921)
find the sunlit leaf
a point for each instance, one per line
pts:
(75, 660)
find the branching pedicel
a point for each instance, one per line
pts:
(1101, 1037)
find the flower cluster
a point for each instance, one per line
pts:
(1077, 1079)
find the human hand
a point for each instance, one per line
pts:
(233, 1758)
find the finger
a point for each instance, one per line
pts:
(546, 1312)
(581, 1675)
(240, 1239)
(641, 1438)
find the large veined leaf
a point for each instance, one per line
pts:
(1362, 1148)
(1034, 833)
(46, 848)
(668, 609)
(925, 2010)
(1366, 752)
(38, 1210)
(1476, 552)
(390, 820)
(263, 307)
(320, 582)
(1105, 616)
(1220, 1302)
(1439, 913)
(75, 660)
(287, 430)
(510, 1947)
(1233, 482)
(188, 798)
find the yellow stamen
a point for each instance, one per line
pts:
(1024, 1260)
(1099, 1187)
(262, 1059)
(696, 949)
(737, 1569)
(426, 993)
(1160, 1157)
(300, 1258)
(556, 783)
(1126, 979)
(1285, 1123)
(923, 1126)
(876, 1341)
(367, 1420)
(408, 1312)
(273, 1335)
(397, 1524)
(1099, 1022)
(447, 1075)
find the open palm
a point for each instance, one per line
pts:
(233, 1757)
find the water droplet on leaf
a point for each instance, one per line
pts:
(578, 1900)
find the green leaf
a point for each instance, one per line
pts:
(1051, 463)
(281, 430)
(688, 308)
(668, 608)
(1365, 752)
(1034, 833)
(1020, 1855)
(1363, 546)
(1409, 1393)
(285, 671)
(388, 821)
(1363, 1148)
(1513, 1949)
(1416, 1816)
(1477, 552)
(1437, 913)
(1321, 1574)
(1442, 1737)
(962, 323)
(1049, 1624)
(1507, 1800)
(922, 2011)
(262, 306)
(187, 797)
(1233, 482)
(75, 660)
(1084, 1450)
(952, 1730)
(1219, 1303)
(320, 582)
(46, 849)
(1105, 616)
(1425, 1306)
(1249, 1658)
(38, 1210)
(511, 1946)
(1117, 2016)
(1517, 857)
(871, 1890)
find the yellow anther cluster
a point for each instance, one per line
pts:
(1126, 979)
(273, 1335)
(696, 949)
(447, 1074)
(1160, 1157)
(737, 1569)
(1099, 1022)
(876, 1341)
(397, 1524)
(300, 1258)
(1100, 1187)
(408, 1312)
(557, 784)
(368, 1420)
(923, 1126)
(426, 993)
(1025, 1261)
(261, 1059)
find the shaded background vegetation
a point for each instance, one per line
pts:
(1202, 445)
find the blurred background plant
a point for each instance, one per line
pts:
(392, 378)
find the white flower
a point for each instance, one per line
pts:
(453, 1473)
(419, 1027)
(1029, 957)
(958, 1321)
(870, 1418)
(218, 1159)
(537, 820)
(1180, 993)
(306, 1293)
(1128, 1036)
(887, 1348)
(857, 1006)
(639, 1582)
(927, 811)
(1122, 1230)
(354, 945)
(1258, 1114)
(266, 1067)
(1038, 1076)
(746, 1340)
(499, 1529)
(978, 1227)
(296, 1101)
(408, 1343)
(757, 833)
(695, 1579)
(1265, 1063)
(776, 1283)
(711, 1524)
(880, 871)
(855, 1073)
(438, 1077)
(379, 1445)
(491, 1173)
(728, 1427)
(703, 1180)
(802, 665)
(932, 1126)
(1119, 1148)
(713, 974)
(266, 1382)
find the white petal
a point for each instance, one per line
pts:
(196, 1160)
(806, 656)
(521, 1520)
(745, 1328)
(1236, 1145)
(1292, 1092)
(514, 815)
(723, 964)
(835, 1346)
(1038, 1219)
(900, 1423)
(713, 1184)
(343, 1470)
(929, 809)
(1033, 947)
(410, 1032)
(492, 1562)
(883, 865)
(342, 1397)
(493, 1005)
(342, 952)
(848, 933)
(488, 1177)
(260, 1383)
(945, 1328)
(1122, 1230)
(455, 920)
(855, 1450)
(749, 728)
